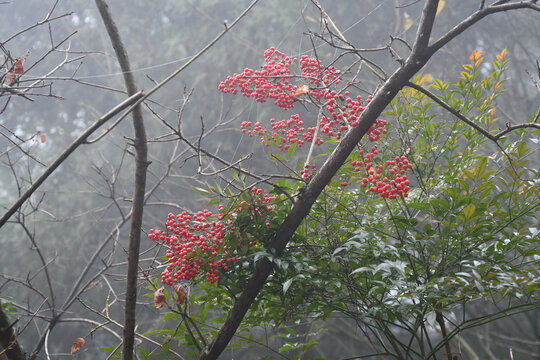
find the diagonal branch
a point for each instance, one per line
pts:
(476, 17)
(491, 136)
(48, 18)
(71, 148)
(424, 29)
(451, 110)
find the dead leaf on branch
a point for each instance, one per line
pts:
(302, 89)
(10, 78)
(181, 294)
(79, 342)
(159, 297)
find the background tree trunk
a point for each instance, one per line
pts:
(141, 163)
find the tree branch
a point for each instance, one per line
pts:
(477, 16)
(71, 148)
(424, 29)
(491, 136)
(141, 165)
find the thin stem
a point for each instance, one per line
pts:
(317, 125)
(440, 320)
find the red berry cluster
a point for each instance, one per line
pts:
(388, 184)
(274, 80)
(376, 130)
(342, 115)
(197, 244)
(341, 118)
(305, 173)
(341, 112)
(286, 132)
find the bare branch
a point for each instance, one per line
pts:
(476, 17)
(491, 136)
(47, 19)
(79, 141)
(424, 29)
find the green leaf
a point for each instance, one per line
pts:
(286, 285)
(479, 286)
(214, 201)
(336, 251)
(260, 254)
(203, 313)
(170, 315)
(291, 150)
(143, 353)
(217, 188)
(440, 205)
(530, 252)
(419, 206)
(452, 192)
(431, 318)
(277, 157)
(288, 346)
(201, 191)
(480, 168)
(234, 175)
(361, 269)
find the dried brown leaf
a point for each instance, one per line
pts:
(181, 294)
(10, 78)
(159, 298)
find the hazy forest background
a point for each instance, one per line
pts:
(87, 200)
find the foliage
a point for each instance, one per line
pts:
(406, 265)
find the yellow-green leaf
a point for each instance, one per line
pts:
(468, 211)
(440, 6)
(408, 21)
(427, 77)
(480, 168)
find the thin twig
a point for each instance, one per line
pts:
(487, 134)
